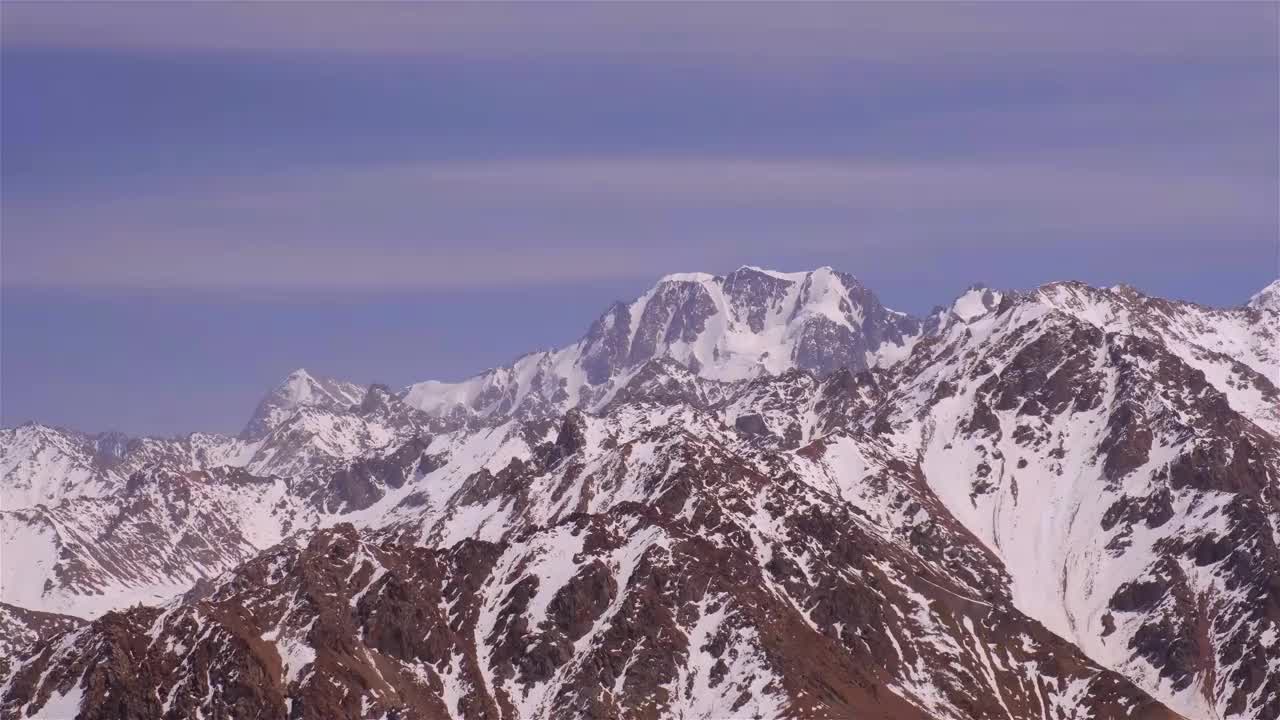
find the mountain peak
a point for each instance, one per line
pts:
(692, 277)
(298, 386)
(976, 302)
(748, 323)
(797, 276)
(298, 390)
(301, 374)
(1268, 298)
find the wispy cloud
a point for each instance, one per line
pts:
(468, 224)
(769, 31)
(415, 145)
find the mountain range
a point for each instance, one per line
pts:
(754, 495)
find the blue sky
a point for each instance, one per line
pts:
(198, 198)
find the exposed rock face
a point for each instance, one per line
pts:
(22, 629)
(634, 612)
(756, 495)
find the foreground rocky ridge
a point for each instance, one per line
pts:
(1058, 500)
(632, 613)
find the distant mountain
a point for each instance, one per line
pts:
(300, 390)
(760, 494)
(748, 323)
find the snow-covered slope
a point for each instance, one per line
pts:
(1237, 349)
(1133, 502)
(164, 532)
(41, 464)
(167, 513)
(1267, 299)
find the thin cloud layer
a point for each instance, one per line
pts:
(879, 31)
(481, 224)
(360, 146)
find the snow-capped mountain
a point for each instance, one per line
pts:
(748, 323)
(1125, 478)
(760, 495)
(300, 390)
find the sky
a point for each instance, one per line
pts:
(196, 199)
